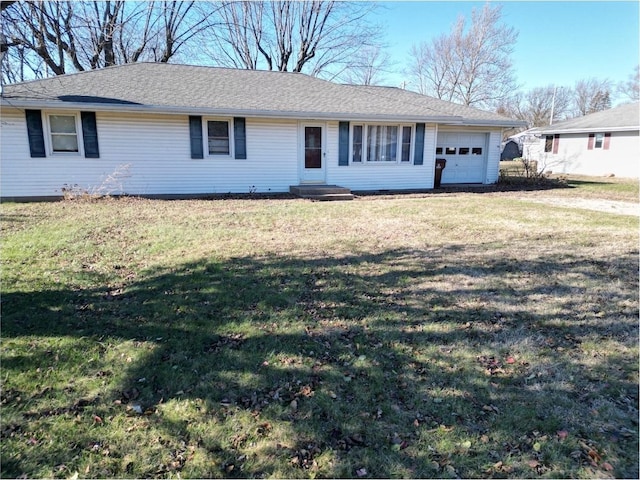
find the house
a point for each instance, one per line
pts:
(602, 143)
(167, 130)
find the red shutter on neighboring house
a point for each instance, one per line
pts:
(556, 141)
(607, 141)
(591, 138)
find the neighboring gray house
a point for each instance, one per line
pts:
(602, 143)
(163, 129)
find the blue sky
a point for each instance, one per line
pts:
(558, 42)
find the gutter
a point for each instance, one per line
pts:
(588, 130)
(252, 113)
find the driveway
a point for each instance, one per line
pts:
(609, 206)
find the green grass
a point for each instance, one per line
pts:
(412, 336)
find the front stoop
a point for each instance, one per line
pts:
(321, 192)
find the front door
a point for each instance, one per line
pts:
(312, 161)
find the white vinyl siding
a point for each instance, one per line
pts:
(151, 154)
(430, 135)
(620, 159)
(492, 171)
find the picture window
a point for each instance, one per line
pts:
(381, 143)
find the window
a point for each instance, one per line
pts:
(548, 143)
(406, 144)
(357, 143)
(552, 143)
(450, 150)
(218, 137)
(463, 151)
(476, 151)
(599, 140)
(438, 150)
(381, 143)
(64, 135)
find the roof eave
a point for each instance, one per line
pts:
(244, 112)
(493, 123)
(588, 129)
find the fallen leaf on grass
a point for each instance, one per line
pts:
(490, 408)
(533, 463)
(511, 360)
(607, 466)
(562, 434)
(361, 472)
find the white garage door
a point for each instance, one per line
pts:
(466, 156)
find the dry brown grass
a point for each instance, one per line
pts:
(435, 335)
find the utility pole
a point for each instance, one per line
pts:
(553, 104)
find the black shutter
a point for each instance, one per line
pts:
(90, 134)
(418, 154)
(195, 133)
(343, 144)
(35, 133)
(240, 138)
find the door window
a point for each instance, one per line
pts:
(312, 147)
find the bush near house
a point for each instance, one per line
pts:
(451, 335)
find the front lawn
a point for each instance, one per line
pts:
(606, 188)
(445, 335)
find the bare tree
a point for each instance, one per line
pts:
(368, 67)
(317, 36)
(538, 105)
(469, 66)
(630, 89)
(592, 95)
(437, 66)
(65, 36)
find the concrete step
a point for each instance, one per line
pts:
(317, 189)
(321, 192)
(329, 197)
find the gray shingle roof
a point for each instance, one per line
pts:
(193, 89)
(624, 117)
